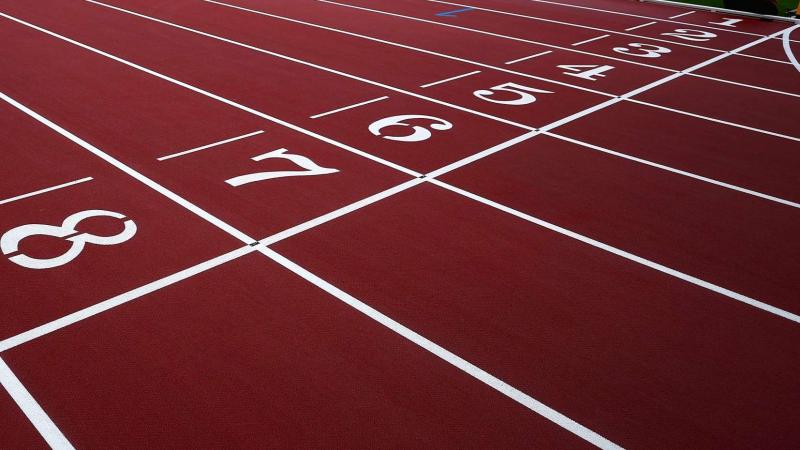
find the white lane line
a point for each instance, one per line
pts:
(395, 44)
(297, 229)
(514, 61)
(788, 48)
(121, 299)
(681, 15)
(42, 191)
(138, 176)
(214, 144)
(751, 86)
(488, 33)
(629, 256)
(446, 80)
(640, 26)
(328, 113)
(421, 50)
(575, 25)
(315, 66)
(451, 358)
(676, 171)
(32, 410)
(217, 97)
(711, 119)
(641, 16)
(591, 40)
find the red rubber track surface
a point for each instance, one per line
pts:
(402, 224)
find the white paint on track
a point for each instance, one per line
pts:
(30, 407)
(787, 47)
(45, 190)
(207, 146)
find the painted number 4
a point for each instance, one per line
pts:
(524, 94)
(587, 72)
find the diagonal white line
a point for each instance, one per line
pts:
(591, 40)
(214, 144)
(45, 190)
(317, 116)
(30, 407)
(450, 79)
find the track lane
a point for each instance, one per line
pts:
(679, 57)
(719, 40)
(300, 359)
(608, 341)
(165, 240)
(452, 43)
(161, 118)
(390, 65)
(691, 226)
(741, 157)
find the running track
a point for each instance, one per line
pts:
(398, 223)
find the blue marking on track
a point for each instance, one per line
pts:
(454, 12)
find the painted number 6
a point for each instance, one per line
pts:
(524, 96)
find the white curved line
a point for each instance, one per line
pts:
(788, 49)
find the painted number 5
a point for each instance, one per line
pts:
(524, 94)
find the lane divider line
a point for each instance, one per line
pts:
(447, 80)
(629, 256)
(214, 144)
(42, 191)
(51, 433)
(314, 65)
(681, 15)
(229, 102)
(525, 58)
(474, 371)
(345, 108)
(32, 410)
(590, 40)
(640, 26)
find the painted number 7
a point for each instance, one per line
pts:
(524, 94)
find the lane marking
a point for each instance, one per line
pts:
(450, 79)
(575, 25)
(590, 40)
(724, 122)
(217, 97)
(51, 433)
(682, 15)
(297, 229)
(674, 170)
(629, 256)
(345, 108)
(454, 12)
(643, 17)
(751, 86)
(451, 358)
(525, 58)
(45, 190)
(523, 74)
(420, 50)
(133, 173)
(640, 26)
(544, 44)
(788, 48)
(214, 144)
(121, 299)
(316, 66)
(32, 410)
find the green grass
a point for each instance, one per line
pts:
(783, 5)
